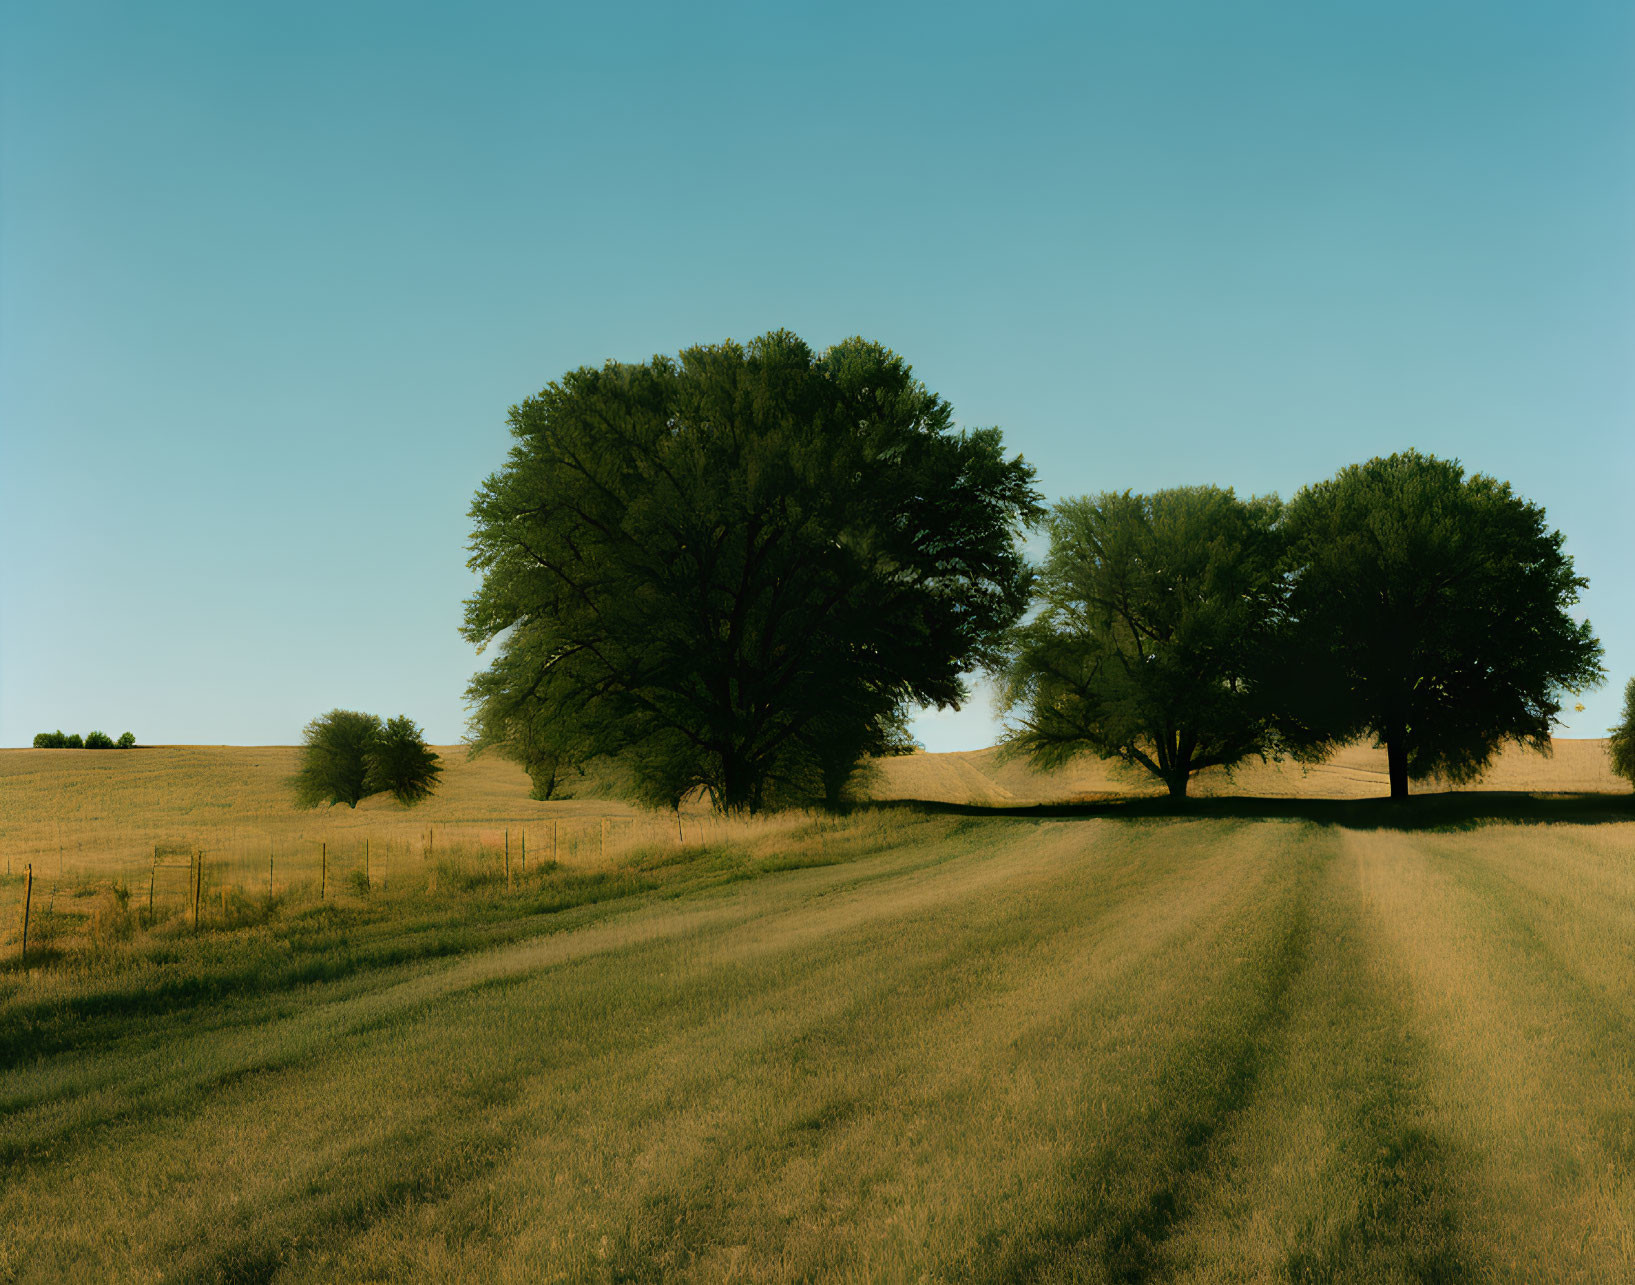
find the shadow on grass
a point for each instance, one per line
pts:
(1450, 810)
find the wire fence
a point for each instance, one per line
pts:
(224, 875)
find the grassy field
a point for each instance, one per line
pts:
(1356, 772)
(906, 1044)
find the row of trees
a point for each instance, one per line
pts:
(347, 756)
(92, 741)
(1400, 599)
(736, 571)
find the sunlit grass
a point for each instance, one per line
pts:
(890, 1046)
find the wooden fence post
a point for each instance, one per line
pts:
(524, 851)
(153, 873)
(323, 870)
(553, 841)
(366, 861)
(269, 879)
(508, 860)
(28, 901)
(198, 884)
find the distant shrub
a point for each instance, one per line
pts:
(1621, 739)
(92, 741)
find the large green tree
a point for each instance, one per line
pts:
(1430, 610)
(1153, 610)
(735, 570)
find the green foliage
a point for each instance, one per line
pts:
(91, 741)
(1621, 739)
(1154, 607)
(520, 731)
(347, 756)
(400, 764)
(335, 759)
(735, 570)
(127, 740)
(1429, 609)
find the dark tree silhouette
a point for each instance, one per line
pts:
(1430, 610)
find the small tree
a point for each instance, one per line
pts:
(50, 740)
(1154, 607)
(347, 756)
(1430, 610)
(127, 740)
(1621, 739)
(73, 742)
(335, 759)
(400, 763)
(98, 741)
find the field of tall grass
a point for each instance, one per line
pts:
(904, 1044)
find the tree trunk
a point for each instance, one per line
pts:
(1177, 782)
(1396, 760)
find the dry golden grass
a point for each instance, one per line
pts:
(137, 817)
(1358, 771)
(893, 1046)
(958, 1049)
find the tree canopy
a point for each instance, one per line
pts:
(1431, 610)
(346, 756)
(1153, 610)
(734, 570)
(401, 764)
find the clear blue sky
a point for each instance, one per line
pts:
(270, 276)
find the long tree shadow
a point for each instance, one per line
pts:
(1449, 810)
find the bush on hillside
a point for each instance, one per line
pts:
(346, 756)
(127, 740)
(1621, 739)
(98, 741)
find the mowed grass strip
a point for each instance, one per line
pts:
(739, 1055)
(926, 1048)
(1518, 948)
